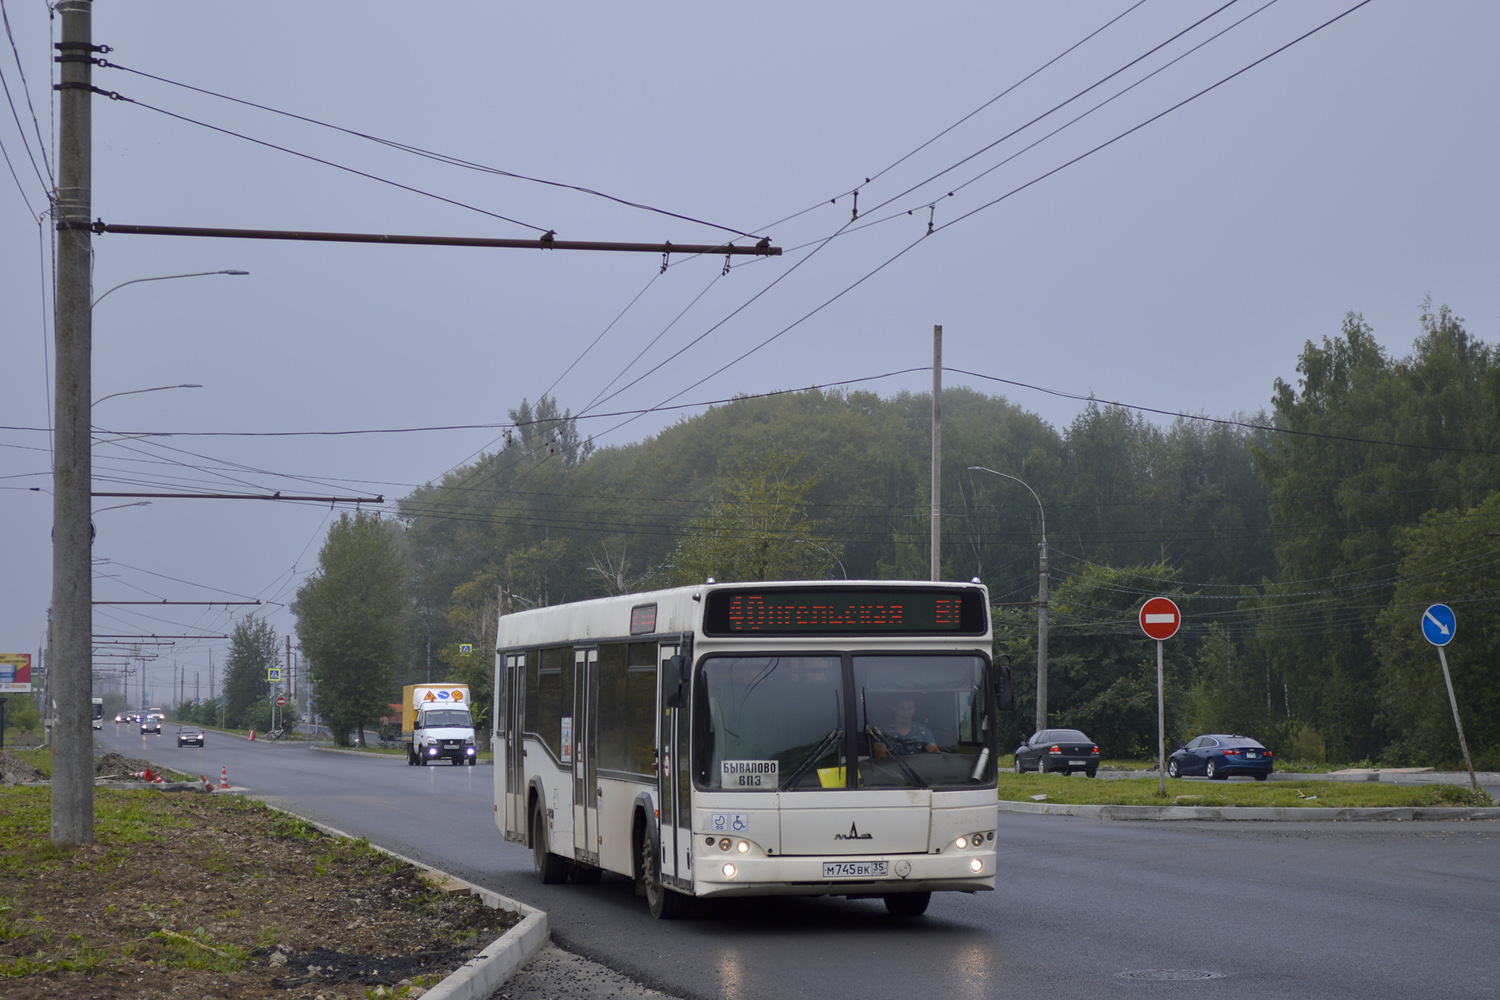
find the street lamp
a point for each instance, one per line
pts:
(154, 388)
(166, 277)
(1041, 603)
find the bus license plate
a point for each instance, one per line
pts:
(855, 869)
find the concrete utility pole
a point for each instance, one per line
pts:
(937, 452)
(72, 474)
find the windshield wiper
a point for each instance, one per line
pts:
(878, 736)
(817, 752)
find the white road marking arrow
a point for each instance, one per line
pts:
(1441, 627)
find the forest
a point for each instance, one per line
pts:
(1302, 542)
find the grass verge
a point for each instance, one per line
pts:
(1077, 790)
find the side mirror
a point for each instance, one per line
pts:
(677, 675)
(1005, 692)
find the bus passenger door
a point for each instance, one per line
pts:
(673, 780)
(512, 765)
(585, 760)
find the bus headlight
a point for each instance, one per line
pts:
(742, 847)
(961, 843)
(976, 865)
(730, 871)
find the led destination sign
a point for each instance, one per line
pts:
(827, 611)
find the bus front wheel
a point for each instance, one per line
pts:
(907, 904)
(663, 902)
(550, 868)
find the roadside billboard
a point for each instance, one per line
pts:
(15, 673)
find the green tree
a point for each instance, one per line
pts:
(348, 618)
(759, 531)
(1451, 558)
(252, 649)
(473, 616)
(1101, 672)
(1339, 499)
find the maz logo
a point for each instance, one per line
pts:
(853, 834)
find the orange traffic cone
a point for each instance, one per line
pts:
(252, 734)
(224, 776)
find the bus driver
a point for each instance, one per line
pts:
(904, 735)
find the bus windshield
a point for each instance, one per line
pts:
(920, 720)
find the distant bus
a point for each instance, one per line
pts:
(798, 738)
(98, 712)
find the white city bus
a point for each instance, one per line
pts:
(808, 738)
(98, 704)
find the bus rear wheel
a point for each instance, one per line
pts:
(550, 868)
(907, 904)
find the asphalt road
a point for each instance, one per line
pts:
(1085, 908)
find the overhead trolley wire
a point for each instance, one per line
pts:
(329, 163)
(1057, 107)
(902, 159)
(996, 201)
(429, 154)
(1154, 118)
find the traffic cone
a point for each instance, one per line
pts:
(224, 776)
(252, 734)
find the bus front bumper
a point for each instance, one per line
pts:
(727, 874)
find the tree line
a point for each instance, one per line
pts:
(1301, 542)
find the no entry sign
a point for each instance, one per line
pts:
(1160, 618)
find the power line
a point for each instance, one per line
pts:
(1268, 428)
(439, 157)
(327, 163)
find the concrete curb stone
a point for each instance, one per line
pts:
(364, 753)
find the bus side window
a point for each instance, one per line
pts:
(640, 708)
(533, 721)
(613, 728)
(554, 697)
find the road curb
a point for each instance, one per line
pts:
(481, 975)
(1250, 813)
(377, 756)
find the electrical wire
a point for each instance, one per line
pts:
(1157, 117)
(329, 163)
(439, 157)
(884, 170)
(26, 89)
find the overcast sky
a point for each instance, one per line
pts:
(1182, 267)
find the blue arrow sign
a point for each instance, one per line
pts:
(1439, 624)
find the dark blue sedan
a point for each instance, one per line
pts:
(1219, 756)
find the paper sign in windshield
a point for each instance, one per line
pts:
(753, 774)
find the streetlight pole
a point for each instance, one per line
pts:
(1041, 603)
(429, 641)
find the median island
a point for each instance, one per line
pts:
(1078, 790)
(207, 894)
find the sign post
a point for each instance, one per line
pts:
(1439, 626)
(1160, 620)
